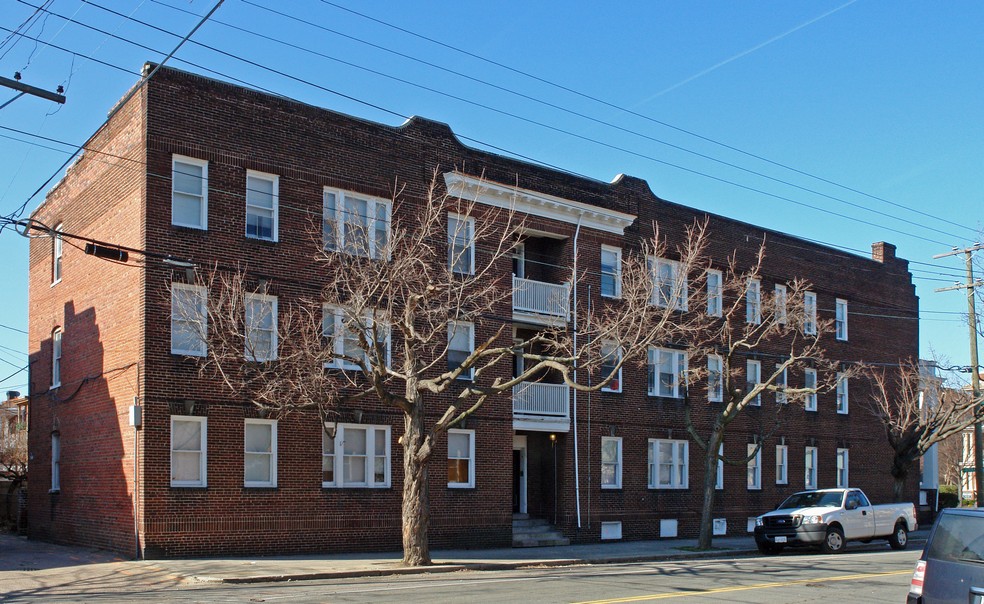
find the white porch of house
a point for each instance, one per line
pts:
(541, 407)
(539, 302)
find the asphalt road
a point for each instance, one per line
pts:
(873, 577)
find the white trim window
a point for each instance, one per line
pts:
(780, 298)
(262, 203)
(55, 462)
(714, 293)
(755, 467)
(355, 224)
(667, 372)
(842, 394)
(810, 381)
(753, 302)
(261, 328)
(189, 319)
(782, 464)
(345, 343)
(461, 459)
(810, 467)
(669, 461)
(780, 385)
(56, 356)
(753, 377)
(810, 313)
(57, 253)
(260, 453)
(842, 468)
(461, 244)
(189, 435)
(669, 285)
(611, 355)
(611, 272)
(611, 462)
(461, 344)
(358, 456)
(715, 378)
(840, 319)
(189, 192)
(719, 478)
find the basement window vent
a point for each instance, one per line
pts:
(668, 528)
(611, 530)
(720, 526)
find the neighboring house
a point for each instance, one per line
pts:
(13, 457)
(13, 414)
(929, 477)
(168, 174)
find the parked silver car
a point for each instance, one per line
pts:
(951, 568)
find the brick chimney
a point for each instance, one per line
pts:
(883, 252)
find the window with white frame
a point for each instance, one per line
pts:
(55, 462)
(753, 377)
(357, 456)
(782, 464)
(260, 453)
(461, 244)
(355, 224)
(611, 462)
(189, 436)
(715, 378)
(461, 343)
(714, 295)
(667, 372)
(669, 283)
(780, 300)
(842, 397)
(840, 319)
(189, 192)
(842, 468)
(810, 465)
(341, 330)
(810, 313)
(611, 271)
(262, 202)
(57, 251)
(56, 357)
(780, 385)
(461, 459)
(261, 328)
(810, 381)
(611, 354)
(189, 319)
(719, 479)
(668, 464)
(753, 302)
(754, 467)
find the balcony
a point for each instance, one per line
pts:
(539, 302)
(541, 407)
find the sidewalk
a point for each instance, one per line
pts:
(20, 554)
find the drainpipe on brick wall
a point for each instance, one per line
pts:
(136, 500)
(577, 474)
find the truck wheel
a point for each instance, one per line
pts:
(833, 542)
(899, 538)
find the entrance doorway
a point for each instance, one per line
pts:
(519, 474)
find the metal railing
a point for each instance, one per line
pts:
(536, 398)
(540, 298)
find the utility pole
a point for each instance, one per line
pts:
(15, 84)
(975, 383)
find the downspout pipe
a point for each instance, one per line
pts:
(577, 474)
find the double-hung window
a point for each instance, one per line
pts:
(719, 478)
(261, 328)
(753, 377)
(754, 467)
(611, 462)
(780, 384)
(611, 271)
(753, 302)
(56, 357)
(461, 344)
(189, 319)
(669, 284)
(461, 244)
(262, 201)
(189, 192)
(842, 468)
(715, 378)
(840, 319)
(810, 381)
(357, 456)
(810, 313)
(57, 251)
(342, 333)
(810, 466)
(188, 453)
(668, 463)
(842, 397)
(461, 459)
(780, 300)
(667, 372)
(55, 462)
(260, 453)
(714, 295)
(782, 464)
(611, 355)
(355, 224)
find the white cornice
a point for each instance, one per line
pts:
(536, 204)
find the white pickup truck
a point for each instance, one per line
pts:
(829, 518)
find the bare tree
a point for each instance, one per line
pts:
(13, 459)
(916, 414)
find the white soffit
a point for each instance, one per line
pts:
(536, 204)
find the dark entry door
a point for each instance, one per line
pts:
(517, 476)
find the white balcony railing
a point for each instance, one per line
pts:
(545, 400)
(540, 298)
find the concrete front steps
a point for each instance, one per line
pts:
(535, 532)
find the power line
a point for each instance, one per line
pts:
(13, 329)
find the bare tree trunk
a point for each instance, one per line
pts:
(416, 498)
(900, 473)
(706, 534)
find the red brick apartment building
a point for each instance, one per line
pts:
(101, 342)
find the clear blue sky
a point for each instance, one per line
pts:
(883, 98)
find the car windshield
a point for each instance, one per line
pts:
(812, 499)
